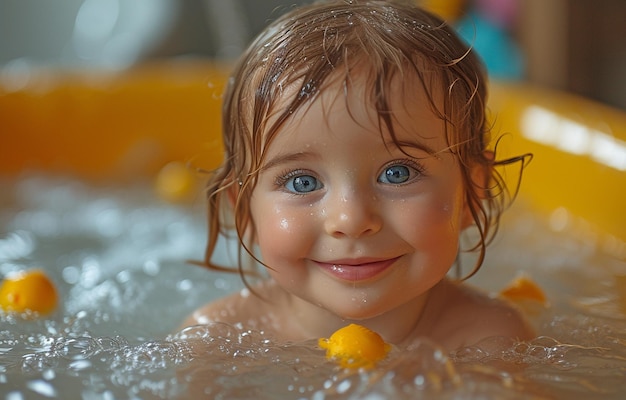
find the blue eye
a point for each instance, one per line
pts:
(396, 174)
(303, 184)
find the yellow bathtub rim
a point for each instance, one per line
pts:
(128, 125)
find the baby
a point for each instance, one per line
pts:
(356, 156)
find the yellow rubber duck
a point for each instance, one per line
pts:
(176, 182)
(355, 346)
(28, 290)
(523, 288)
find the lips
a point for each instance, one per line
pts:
(356, 270)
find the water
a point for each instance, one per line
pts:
(118, 257)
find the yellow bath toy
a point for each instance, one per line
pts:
(523, 288)
(28, 290)
(450, 10)
(355, 346)
(175, 182)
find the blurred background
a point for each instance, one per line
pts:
(573, 45)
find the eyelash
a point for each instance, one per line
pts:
(420, 168)
(285, 176)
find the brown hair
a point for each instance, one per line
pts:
(308, 45)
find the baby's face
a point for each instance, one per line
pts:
(348, 221)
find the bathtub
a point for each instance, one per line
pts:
(80, 156)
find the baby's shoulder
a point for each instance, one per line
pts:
(472, 315)
(248, 307)
(229, 309)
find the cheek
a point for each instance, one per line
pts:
(273, 222)
(431, 224)
(281, 233)
(435, 222)
(452, 207)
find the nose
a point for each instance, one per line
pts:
(353, 216)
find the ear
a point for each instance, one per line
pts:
(480, 176)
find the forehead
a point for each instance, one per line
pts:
(406, 110)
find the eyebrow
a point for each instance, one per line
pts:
(401, 144)
(286, 158)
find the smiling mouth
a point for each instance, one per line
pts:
(356, 270)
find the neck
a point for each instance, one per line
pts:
(307, 321)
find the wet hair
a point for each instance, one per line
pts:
(330, 42)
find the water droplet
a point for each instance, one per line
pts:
(151, 267)
(71, 274)
(42, 387)
(344, 386)
(184, 285)
(49, 374)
